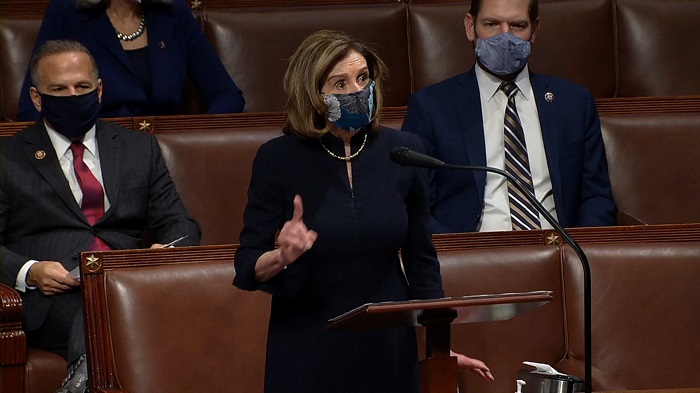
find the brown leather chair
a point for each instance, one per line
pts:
(657, 46)
(22, 369)
(536, 335)
(211, 171)
(255, 44)
(17, 36)
(170, 320)
(652, 167)
(645, 313)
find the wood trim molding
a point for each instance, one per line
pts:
(204, 122)
(612, 234)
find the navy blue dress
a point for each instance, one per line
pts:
(355, 260)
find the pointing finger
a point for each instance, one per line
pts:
(298, 208)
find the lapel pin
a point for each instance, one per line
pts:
(39, 154)
(161, 45)
(549, 96)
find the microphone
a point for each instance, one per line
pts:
(405, 156)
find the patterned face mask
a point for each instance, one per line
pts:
(351, 112)
(503, 54)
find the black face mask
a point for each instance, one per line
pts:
(71, 116)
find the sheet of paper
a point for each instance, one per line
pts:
(75, 273)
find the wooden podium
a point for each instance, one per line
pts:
(438, 371)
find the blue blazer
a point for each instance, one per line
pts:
(177, 49)
(448, 117)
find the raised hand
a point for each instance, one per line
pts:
(295, 238)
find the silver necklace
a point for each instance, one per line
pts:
(136, 34)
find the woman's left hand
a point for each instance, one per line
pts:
(473, 365)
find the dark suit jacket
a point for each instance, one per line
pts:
(40, 219)
(177, 49)
(448, 117)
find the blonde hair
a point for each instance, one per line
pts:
(308, 70)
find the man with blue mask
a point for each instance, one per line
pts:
(541, 129)
(73, 183)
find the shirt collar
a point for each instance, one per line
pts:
(489, 84)
(61, 144)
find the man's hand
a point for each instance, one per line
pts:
(50, 277)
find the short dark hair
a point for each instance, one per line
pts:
(55, 47)
(533, 9)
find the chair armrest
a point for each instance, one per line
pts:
(13, 342)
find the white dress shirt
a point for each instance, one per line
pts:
(496, 213)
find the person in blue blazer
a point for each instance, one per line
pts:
(145, 50)
(461, 121)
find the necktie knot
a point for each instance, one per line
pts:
(510, 88)
(77, 148)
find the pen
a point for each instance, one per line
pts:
(174, 242)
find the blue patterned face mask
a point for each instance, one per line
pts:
(503, 54)
(351, 112)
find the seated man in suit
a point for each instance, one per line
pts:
(543, 130)
(71, 183)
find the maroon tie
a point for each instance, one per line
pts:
(93, 196)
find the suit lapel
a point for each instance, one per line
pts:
(41, 154)
(110, 160)
(472, 125)
(100, 27)
(550, 126)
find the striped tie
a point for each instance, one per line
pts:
(523, 214)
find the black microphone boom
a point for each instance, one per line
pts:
(406, 156)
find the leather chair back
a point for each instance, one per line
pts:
(213, 168)
(535, 335)
(657, 43)
(171, 321)
(255, 45)
(644, 303)
(652, 165)
(17, 36)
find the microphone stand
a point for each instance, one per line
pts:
(588, 383)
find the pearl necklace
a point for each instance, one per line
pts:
(345, 158)
(136, 34)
